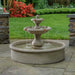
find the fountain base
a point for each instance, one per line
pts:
(37, 56)
(37, 44)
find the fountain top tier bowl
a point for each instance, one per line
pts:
(37, 20)
(37, 51)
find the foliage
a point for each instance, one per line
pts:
(22, 0)
(61, 2)
(19, 9)
(40, 4)
(52, 11)
(28, 1)
(9, 3)
(64, 2)
(57, 5)
(71, 5)
(43, 4)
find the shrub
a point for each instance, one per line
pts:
(20, 9)
(55, 11)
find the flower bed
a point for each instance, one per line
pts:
(20, 9)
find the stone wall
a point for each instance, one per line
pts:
(4, 28)
(72, 29)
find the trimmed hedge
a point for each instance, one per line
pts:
(54, 11)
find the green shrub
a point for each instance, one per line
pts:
(52, 11)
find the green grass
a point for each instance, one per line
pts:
(58, 23)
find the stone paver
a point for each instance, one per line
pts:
(9, 67)
(4, 47)
(69, 73)
(73, 57)
(71, 67)
(33, 71)
(4, 64)
(5, 54)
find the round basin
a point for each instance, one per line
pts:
(50, 52)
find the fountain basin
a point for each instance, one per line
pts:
(26, 54)
(40, 30)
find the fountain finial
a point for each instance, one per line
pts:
(37, 16)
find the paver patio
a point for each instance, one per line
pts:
(9, 67)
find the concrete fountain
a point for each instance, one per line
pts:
(37, 51)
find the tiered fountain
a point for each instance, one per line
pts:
(37, 51)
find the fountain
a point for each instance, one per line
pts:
(37, 51)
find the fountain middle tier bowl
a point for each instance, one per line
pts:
(50, 52)
(39, 30)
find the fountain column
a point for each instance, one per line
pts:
(37, 41)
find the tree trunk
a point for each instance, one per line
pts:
(4, 3)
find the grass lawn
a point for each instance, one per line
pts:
(58, 22)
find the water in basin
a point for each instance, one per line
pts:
(45, 46)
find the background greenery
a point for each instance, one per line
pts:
(58, 22)
(41, 4)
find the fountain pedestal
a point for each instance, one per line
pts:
(37, 42)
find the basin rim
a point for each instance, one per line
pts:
(36, 51)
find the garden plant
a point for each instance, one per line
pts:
(20, 9)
